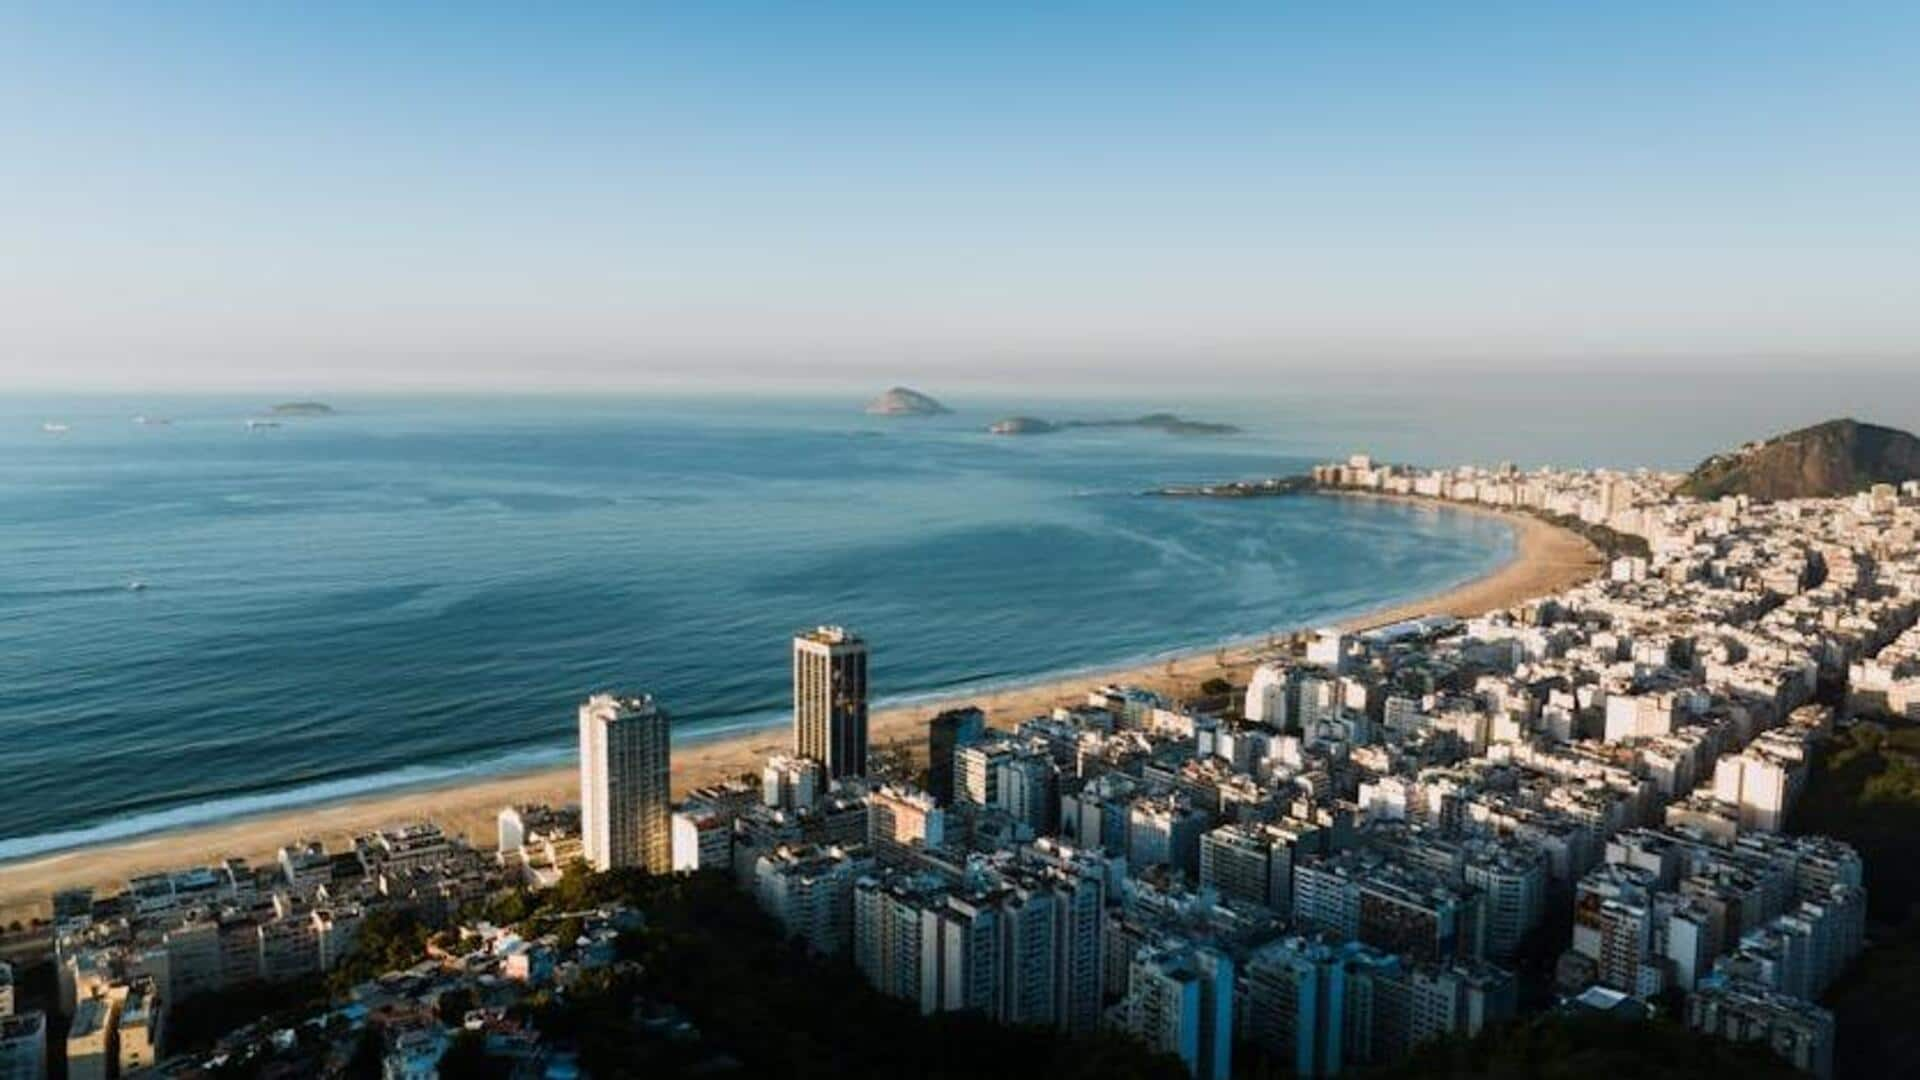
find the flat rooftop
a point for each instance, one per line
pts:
(829, 635)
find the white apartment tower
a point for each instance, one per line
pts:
(625, 814)
(830, 700)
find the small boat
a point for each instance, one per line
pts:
(136, 585)
(262, 425)
(52, 427)
(152, 421)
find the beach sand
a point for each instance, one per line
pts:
(1546, 559)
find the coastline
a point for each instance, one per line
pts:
(1545, 559)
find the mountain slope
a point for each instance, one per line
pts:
(1838, 457)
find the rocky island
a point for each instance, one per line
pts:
(1238, 489)
(1160, 421)
(1023, 425)
(302, 408)
(901, 401)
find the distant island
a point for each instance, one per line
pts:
(901, 401)
(1160, 421)
(1839, 457)
(302, 408)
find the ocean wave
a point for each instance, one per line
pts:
(237, 807)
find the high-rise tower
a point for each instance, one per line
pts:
(625, 812)
(830, 700)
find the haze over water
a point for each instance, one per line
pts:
(413, 590)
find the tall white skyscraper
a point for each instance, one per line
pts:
(830, 700)
(625, 808)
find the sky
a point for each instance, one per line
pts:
(466, 196)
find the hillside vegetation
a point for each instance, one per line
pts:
(1839, 457)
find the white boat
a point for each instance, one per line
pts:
(152, 421)
(261, 425)
(55, 428)
(136, 585)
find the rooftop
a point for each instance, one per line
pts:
(829, 635)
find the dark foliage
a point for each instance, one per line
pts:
(709, 953)
(390, 939)
(198, 1022)
(1554, 1046)
(453, 1006)
(1611, 544)
(369, 1049)
(1865, 789)
(466, 1059)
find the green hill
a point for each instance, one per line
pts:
(1839, 457)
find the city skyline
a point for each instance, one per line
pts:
(1330, 851)
(1392, 532)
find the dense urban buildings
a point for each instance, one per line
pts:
(625, 802)
(1373, 844)
(830, 700)
(946, 734)
(23, 1045)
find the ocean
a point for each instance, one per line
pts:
(199, 621)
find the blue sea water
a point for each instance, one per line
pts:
(414, 590)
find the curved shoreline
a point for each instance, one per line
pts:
(1545, 559)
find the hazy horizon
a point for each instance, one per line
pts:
(1625, 419)
(1136, 195)
(1114, 375)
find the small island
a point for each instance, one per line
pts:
(302, 408)
(1024, 425)
(1237, 489)
(901, 401)
(1160, 421)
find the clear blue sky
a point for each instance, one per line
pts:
(459, 195)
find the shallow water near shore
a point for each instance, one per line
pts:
(414, 591)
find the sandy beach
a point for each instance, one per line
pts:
(1545, 559)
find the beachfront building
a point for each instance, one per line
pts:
(946, 734)
(830, 700)
(624, 801)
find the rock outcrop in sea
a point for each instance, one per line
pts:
(901, 401)
(1160, 421)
